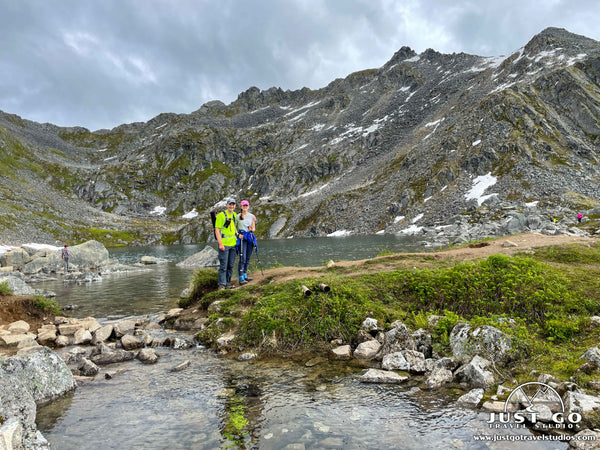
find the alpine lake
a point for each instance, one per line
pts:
(266, 403)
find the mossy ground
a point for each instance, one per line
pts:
(543, 299)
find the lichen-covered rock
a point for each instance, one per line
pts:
(476, 374)
(485, 341)
(33, 376)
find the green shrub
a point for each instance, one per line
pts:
(559, 329)
(42, 302)
(4, 289)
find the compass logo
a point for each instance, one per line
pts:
(535, 404)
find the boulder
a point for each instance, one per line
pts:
(131, 342)
(423, 342)
(89, 256)
(87, 368)
(382, 376)
(397, 339)
(149, 260)
(105, 355)
(486, 341)
(471, 398)
(395, 361)
(580, 403)
(82, 337)
(147, 356)
(367, 350)
(477, 373)
(102, 334)
(208, 257)
(124, 327)
(592, 355)
(370, 324)
(31, 377)
(18, 286)
(343, 352)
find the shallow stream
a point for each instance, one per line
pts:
(269, 404)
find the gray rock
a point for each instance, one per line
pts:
(130, 342)
(471, 398)
(105, 355)
(487, 341)
(87, 368)
(207, 257)
(35, 375)
(477, 373)
(580, 403)
(590, 443)
(438, 378)
(102, 334)
(382, 376)
(367, 350)
(147, 356)
(82, 336)
(395, 361)
(592, 355)
(397, 339)
(343, 352)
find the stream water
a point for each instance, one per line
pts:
(272, 404)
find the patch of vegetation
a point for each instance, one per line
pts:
(4, 289)
(85, 138)
(39, 301)
(203, 282)
(110, 238)
(541, 303)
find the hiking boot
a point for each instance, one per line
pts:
(243, 282)
(221, 287)
(248, 278)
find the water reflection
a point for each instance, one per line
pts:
(219, 403)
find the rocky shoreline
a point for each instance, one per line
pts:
(68, 350)
(37, 374)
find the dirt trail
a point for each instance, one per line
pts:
(507, 245)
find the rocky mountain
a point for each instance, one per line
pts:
(439, 144)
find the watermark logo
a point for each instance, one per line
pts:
(535, 405)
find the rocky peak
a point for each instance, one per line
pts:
(421, 135)
(554, 39)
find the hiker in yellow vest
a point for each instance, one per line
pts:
(225, 233)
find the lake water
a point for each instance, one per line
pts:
(268, 404)
(158, 287)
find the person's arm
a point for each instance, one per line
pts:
(253, 226)
(218, 231)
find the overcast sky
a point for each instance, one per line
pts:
(101, 63)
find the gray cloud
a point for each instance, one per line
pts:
(102, 63)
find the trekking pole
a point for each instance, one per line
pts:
(258, 259)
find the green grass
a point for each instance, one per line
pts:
(542, 303)
(4, 289)
(44, 303)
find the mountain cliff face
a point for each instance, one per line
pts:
(424, 142)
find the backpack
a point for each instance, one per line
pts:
(213, 219)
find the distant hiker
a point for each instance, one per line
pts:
(246, 224)
(225, 232)
(65, 254)
(579, 217)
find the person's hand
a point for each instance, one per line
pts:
(221, 247)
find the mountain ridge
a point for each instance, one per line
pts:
(381, 150)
